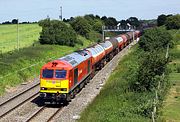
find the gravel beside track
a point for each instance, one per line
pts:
(16, 98)
(72, 112)
(45, 114)
(15, 101)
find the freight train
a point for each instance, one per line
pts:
(61, 79)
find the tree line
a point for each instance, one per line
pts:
(88, 26)
(169, 21)
(15, 21)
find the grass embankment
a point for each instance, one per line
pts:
(116, 102)
(28, 34)
(171, 110)
(13, 66)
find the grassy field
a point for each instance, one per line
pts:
(171, 110)
(28, 34)
(116, 103)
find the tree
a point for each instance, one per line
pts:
(98, 26)
(110, 21)
(45, 23)
(103, 18)
(123, 23)
(161, 20)
(14, 21)
(57, 32)
(81, 26)
(97, 17)
(173, 22)
(87, 16)
(90, 18)
(133, 21)
(6, 22)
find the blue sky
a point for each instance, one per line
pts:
(35, 10)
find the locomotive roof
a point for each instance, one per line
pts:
(76, 58)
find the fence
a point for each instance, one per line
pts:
(156, 99)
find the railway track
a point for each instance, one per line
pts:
(36, 115)
(15, 101)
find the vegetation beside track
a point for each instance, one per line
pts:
(171, 111)
(130, 93)
(116, 102)
(28, 34)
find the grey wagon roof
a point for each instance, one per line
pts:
(76, 58)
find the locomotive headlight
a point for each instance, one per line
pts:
(42, 88)
(63, 89)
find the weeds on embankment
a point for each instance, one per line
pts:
(116, 102)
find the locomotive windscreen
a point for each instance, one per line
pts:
(60, 73)
(47, 73)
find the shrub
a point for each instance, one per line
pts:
(57, 32)
(155, 39)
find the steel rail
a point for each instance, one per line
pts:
(2, 115)
(10, 99)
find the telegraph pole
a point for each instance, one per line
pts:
(103, 33)
(18, 34)
(60, 17)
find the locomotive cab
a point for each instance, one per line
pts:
(54, 80)
(61, 79)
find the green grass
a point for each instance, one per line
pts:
(116, 103)
(28, 34)
(34, 56)
(171, 109)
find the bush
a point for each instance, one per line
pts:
(57, 32)
(151, 59)
(151, 66)
(155, 39)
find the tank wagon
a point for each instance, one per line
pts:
(62, 79)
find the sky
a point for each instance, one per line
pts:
(35, 10)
